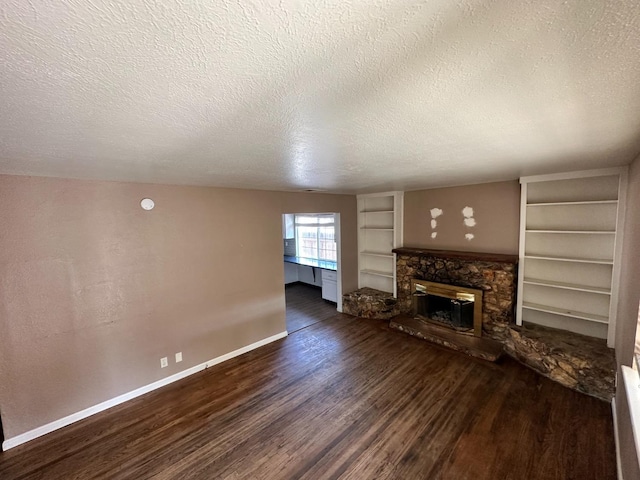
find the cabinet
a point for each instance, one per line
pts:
(379, 231)
(330, 285)
(570, 250)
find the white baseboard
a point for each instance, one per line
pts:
(631, 383)
(87, 412)
(616, 438)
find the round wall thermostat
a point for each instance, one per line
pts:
(147, 203)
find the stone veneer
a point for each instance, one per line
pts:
(494, 274)
(576, 361)
(370, 303)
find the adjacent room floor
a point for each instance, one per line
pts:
(343, 398)
(305, 306)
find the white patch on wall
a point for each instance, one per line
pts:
(469, 222)
(435, 213)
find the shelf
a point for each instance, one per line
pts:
(599, 261)
(588, 232)
(377, 254)
(379, 231)
(569, 250)
(377, 273)
(588, 202)
(566, 313)
(567, 286)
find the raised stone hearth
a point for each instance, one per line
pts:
(370, 303)
(576, 361)
(478, 347)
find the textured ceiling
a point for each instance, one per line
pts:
(346, 96)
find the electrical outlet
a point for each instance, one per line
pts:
(178, 357)
(164, 362)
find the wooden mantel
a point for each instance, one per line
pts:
(472, 256)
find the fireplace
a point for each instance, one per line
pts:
(492, 274)
(458, 308)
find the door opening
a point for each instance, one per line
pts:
(311, 247)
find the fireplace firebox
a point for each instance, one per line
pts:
(459, 308)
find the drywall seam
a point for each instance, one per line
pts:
(87, 412)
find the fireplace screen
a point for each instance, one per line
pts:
(456, 307)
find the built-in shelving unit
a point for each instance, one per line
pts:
(379, 231)
(570, 249)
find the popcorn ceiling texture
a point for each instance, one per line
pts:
(344, 96)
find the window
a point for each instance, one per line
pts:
(315, 236)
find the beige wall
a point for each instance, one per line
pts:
(627, 318)
(496, 208)
(94, 290)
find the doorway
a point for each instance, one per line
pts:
(311, 247)
(305, 306)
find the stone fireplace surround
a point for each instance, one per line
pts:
(494, 274)
(582, 363)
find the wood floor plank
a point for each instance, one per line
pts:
(305, 306)
(343, 398)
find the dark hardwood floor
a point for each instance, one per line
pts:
(305, 306)
(343, 398)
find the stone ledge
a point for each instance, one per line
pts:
(478, 347)
(576, 361)
(370, 303)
